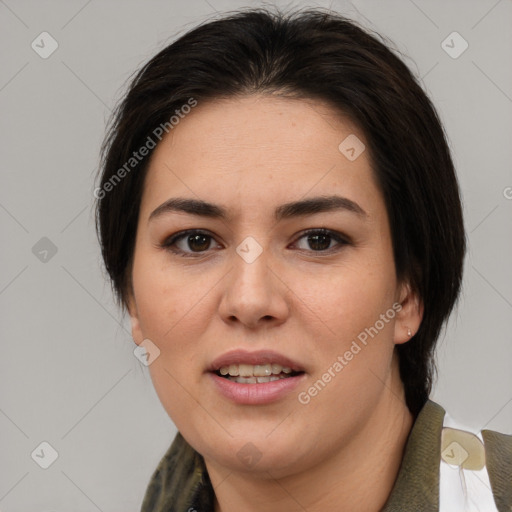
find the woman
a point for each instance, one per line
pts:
(279, 214)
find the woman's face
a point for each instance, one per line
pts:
(291, 269)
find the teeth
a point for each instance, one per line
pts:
(246, 370)
(249, 370)
(257, 370)
(255, 380)
(270, 378)
(276, 369)
(262, 370)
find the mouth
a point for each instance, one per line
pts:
(255, 378)
(256, 374)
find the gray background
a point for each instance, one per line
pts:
(68, 373)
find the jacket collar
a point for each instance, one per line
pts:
(417, 484)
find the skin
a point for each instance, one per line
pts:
(249, 155)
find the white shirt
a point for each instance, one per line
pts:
(463, 490)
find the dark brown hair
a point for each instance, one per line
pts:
(311, 54)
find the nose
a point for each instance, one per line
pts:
(254, 295)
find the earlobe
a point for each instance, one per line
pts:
(408, 319)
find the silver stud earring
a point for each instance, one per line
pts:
(409, 333)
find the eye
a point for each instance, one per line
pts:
(189, 243)
(322, 240)
(195, 242)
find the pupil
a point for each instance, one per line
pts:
(195, 242)
(315, 241)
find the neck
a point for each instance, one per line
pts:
(360, 477)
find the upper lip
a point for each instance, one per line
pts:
(254, 358)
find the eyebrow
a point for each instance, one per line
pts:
(285, 211)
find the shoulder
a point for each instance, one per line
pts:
(447, 466)
(498, 455)
(476, 468)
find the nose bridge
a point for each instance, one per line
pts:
(252, 293)
(250, 280)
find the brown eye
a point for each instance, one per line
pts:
(321, 240)
(198, 242)
(189, 242)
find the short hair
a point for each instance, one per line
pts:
(306, 54)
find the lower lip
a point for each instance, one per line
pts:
(256, 394)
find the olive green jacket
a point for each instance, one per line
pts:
(180, 483)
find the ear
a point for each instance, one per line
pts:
(131, 306)
(410, 315)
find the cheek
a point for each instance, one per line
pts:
(353, 343)
(345, 300)
(167, 300)
(176, 391)
(173, 314)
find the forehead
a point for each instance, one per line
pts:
(257, 148)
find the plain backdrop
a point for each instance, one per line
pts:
(68, 373)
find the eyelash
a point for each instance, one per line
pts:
(168, 244)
